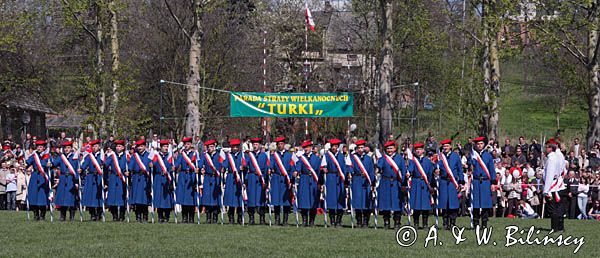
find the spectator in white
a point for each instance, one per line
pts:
(514, 189)
(11, 188)
(23, 176)
(584, 162)
(525, 210)
(154, 144)
(3, 172)
(582, 197)
(576, 147)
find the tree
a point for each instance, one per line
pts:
(385, 69)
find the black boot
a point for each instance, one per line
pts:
(397, 217)
(304, 219)
(184, 214)
(63, 214)
(313, 215)
(122, 214)
(215, 215)
(166, 215)
(113, 212)
(278, 219)
(338, 221)
(366, 217)
(145, 215)
(359, 219)
(332, 221)
(452, 223)
(416, 221)
(239, 215)
(425, 221)
(446, 223)
(230, 215)
(43, 213)
(208, 216)
(386, 221)
(251, 215)
(286, 215)
(71, 214)
(261, 215)
(484, 218)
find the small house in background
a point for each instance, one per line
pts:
(22, 112)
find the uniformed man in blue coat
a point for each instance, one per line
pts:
(68, 183)
(93, 190)
(281, 171)
(139, 167)
(307, 173)
(392, 168)
(211, 186)
(38, 189)
(334, 166)
(450, 184)
(187, 168)
(256, 180)
(163, 183)
(116, 166)
(422, 186)
(362, 177)
(233, 182)
(484, 176)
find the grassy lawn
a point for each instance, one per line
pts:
(110, 239)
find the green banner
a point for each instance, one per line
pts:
(259, 104)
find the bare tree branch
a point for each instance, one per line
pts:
(185, 32)
(66, 3)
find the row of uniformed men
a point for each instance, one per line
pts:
(252, 181)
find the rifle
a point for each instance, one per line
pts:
(375, 197)
(50, 189)
(350, 201)
(127, 180)
(324, 197)
(269, 199)
(296, 199)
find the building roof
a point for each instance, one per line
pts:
(27, 101)
(71, 121)
(348, 32)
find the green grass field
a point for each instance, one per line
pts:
(110, 239)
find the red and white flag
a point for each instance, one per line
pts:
(309, 19)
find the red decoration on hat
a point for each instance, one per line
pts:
(94, 142)
(256, 140)
(418, 145)
(389, 143)
(360, 142)
(67, 143)
(6, 147)
(120, 142)
(164, 142)
(235, 142)
(187, 139)
(479, 139)
(209, 142)
(140, 142)
(335, 141)
(307, 143)
(446, 141)
(280, 139)
(551, 141)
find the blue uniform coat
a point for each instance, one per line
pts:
(482, 193)
(334, 185)
(448, 195)
(186, 179)
(361, 190)
(140, 180)
(389, 195)
(211, 186)
(233, 189)
(92, 189)
(308, 190)
(256, 192)
(420, 198)
(66, 192)
(116, 186)
(163, 194)
(38, 189)
(280, 191)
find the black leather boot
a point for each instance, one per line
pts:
(208, 216)
(359, 219)
(332, 220)
(63, 214)
(286, 216)
(397, 217)
(277, 219)
(386, 221)
(425, 221)
(338, 221)
(304, 219)
(366, 217)
(215, 216)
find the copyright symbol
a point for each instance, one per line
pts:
(406, 236)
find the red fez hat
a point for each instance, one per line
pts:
(94, 142)
(335, 141)
(210, 142)
(307, 143)
(67, 143)
(551, 141)
(418, 145)
(120, 142)
(6, 147)
(140, 142)
(40, 142)
(234, 142)
(479, 139)
(389, 143)
(280, 139)
(446, 141)
(187, 139)
(360, 142)
(164, 142)
(256, 140)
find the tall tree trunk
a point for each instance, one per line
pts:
(192, 125)
(114, 48)
(386, 69)
(495, 88)
(487, 70)
(100, 70)
(491, 73)
(593, 132)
